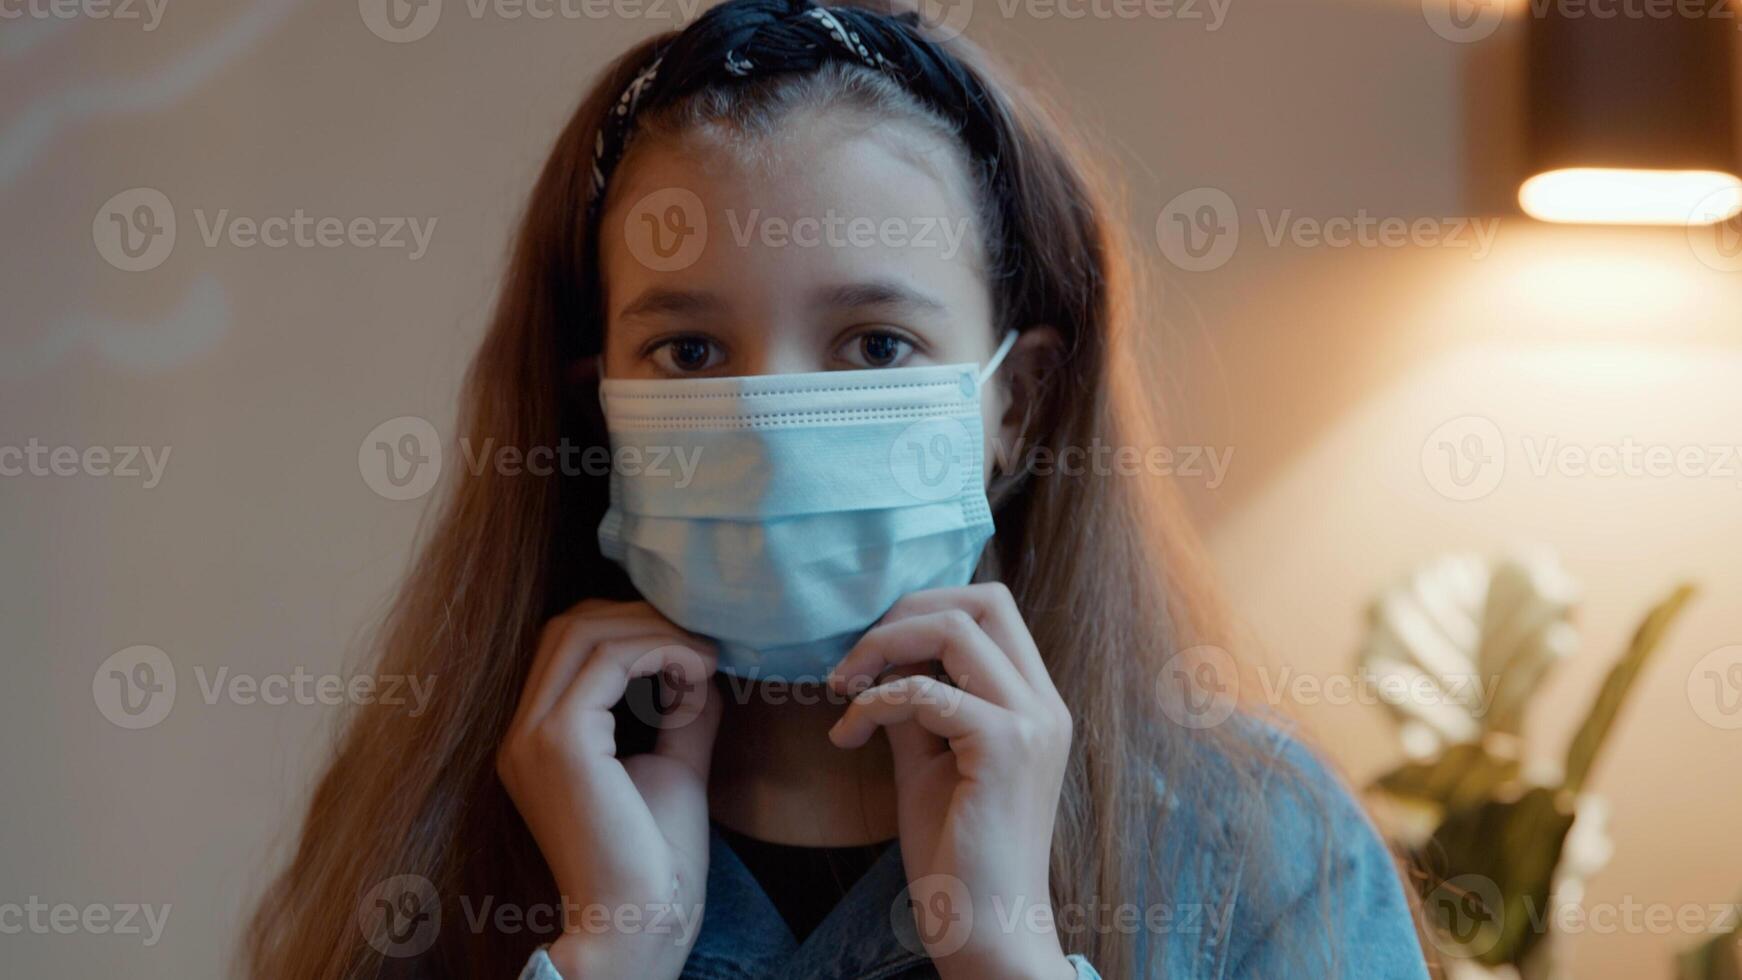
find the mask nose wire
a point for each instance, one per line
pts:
(991, 367)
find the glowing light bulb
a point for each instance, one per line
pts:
(1594, 195)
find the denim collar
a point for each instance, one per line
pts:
(743, 934)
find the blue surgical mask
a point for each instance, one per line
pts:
(782, 515)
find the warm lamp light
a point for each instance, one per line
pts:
(1632, 116)
(1597, 195)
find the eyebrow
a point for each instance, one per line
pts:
(672, 302)
(875, 292)
(887, 293)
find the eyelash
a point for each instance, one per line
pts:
(908, 344)
(659, 351)
(654, 351)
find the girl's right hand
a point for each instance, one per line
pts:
(626, 839)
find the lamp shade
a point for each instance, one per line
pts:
(1632, 115)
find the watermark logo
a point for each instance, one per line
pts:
(667, 230)
(135, 688)
(1466, 912)
(1715, 688)
(1464, 21)
(947, 19)
(401, 917)
(933, 916)
(134, 231)
(1464, 458)
(1199, 687)
(400, 21)
(401, 459)
(1715, 235)
(1469, 21)
(1199, 230)
(675, 701)
(929, 459)
(832, 229)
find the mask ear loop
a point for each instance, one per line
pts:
(991, 367)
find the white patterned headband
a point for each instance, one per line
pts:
(745, 39)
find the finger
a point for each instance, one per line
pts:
(951, 637)
(945, 711)
(605, 675)
(586, 609)
(568, 648)
(686, 732)
(995, 610)
(553, 642)
(911, 747)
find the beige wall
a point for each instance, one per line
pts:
(263, 550)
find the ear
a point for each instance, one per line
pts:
(1037, 351)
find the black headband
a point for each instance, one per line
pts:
(749, 39)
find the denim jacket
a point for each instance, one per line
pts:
(1327, 902)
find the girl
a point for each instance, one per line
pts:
(763, 701)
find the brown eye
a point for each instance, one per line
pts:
(880, 349)
(875, 349)
(686, 355)
(689, 354)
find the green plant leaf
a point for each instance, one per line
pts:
(1718, 958)
(1459, 777)
(1511, 848)
(1458, 647)
(1582, 753)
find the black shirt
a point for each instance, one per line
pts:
(804, 883)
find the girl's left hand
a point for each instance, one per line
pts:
(979, 758)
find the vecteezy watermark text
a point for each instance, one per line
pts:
(136, 688)
(1207, 463)
(1200, 230)
(404, 21)
(120, 462)
(135, 230)
(1466, 458)
(41, 918)
(148, 12)
(401, 459)
(832, 229)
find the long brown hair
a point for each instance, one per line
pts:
(1105, 569)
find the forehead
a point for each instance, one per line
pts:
(833, 198)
